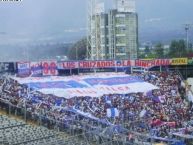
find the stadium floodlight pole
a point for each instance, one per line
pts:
(187, 31)
(187, 28)
(89, 23)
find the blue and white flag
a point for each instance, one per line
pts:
(107, 100)
(58, 103)
(112, 112)
(142, 113)
(161, 99)
(149, 93)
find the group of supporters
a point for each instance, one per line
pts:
(159, 113)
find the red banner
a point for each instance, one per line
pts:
(113, 63)
(152, 63)
(49, 68)
(67, 65)
(96, 64)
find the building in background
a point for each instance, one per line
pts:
(98, 33)
(123, 35)
(113, 34)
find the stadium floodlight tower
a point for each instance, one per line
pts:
(95, 29)
(125, 5)
(187, 29)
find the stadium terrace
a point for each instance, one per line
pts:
(141, 106)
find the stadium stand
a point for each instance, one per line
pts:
(155, 115)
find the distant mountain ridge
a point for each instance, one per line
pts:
(163, 36)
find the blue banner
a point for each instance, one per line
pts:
(113, 80)
(7, 67)
(23, 69)
(36, 69)
(56, 84)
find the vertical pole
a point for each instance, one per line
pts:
(9, 109)
(25, 104)
(131, 70)
(25, 112)
(114, 39)
(88, 28)
(187, 41)
(78, 70)
(186, 72)
(76, 54)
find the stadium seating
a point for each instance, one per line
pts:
(14, 132)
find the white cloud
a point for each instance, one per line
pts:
(75, 30)
(151, 20)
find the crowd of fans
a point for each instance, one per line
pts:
(158, 112)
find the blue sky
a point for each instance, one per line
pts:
(34, 20)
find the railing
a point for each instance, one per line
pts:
(87, 130)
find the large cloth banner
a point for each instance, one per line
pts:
(23, 69)
(49, 68)
(93, 86)
(36, 69)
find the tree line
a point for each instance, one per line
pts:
(177, 48)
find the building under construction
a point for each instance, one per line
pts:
(112, 34)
